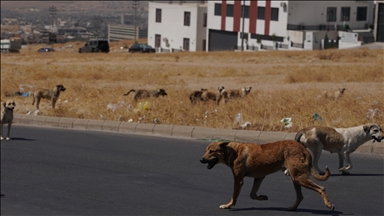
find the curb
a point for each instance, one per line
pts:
(260, 137)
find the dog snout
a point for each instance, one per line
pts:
(202, 160)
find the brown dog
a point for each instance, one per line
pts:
(208, 95)
(51, 95)
(196, 95)
(333, 95)
(258, 161)
(143, 93)
(232, 94)
(7, 117)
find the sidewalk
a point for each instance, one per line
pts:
(260, 137)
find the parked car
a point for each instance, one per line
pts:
(144, 48)
(95, 45)
(45, 50)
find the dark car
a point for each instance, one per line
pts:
(95, 45)
(45, 50)
(144, 48)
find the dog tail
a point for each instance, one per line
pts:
(132, 90)
(318, 176)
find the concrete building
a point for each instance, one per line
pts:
(177, 25)
(267, 24)
(125, 32)
(379, 21)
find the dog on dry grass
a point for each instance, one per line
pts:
(208, 95)
(342, 141)
(7, 117)
(258, 161)
(196, 95)
(333, 95)
(51, 95)
(143, 93)
(232, 94)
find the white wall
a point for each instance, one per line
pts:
(172, 25)
(315, 12)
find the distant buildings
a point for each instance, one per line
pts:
(259, 24)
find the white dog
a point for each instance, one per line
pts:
(7, 117)
(342, 141)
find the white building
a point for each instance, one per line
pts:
(176, 25)
(266, 25)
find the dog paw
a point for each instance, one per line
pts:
(1, 138)
(332, 207)
(8, 138)
(286, 172)
(225, 206)
(292, 208)
(262, 197)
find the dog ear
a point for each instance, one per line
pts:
(224, 144)
(367, 128)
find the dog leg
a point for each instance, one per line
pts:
(9, 130)
(256, 185)
(306, 182)
(236, 191)
(341, 164)
(316, 152)
(38, 103)
(1, 132)
(54, 102)
(345, 156)
(299, 197)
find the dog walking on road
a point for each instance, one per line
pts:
(258, 161)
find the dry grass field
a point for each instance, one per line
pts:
(284, 84)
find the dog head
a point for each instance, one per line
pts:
(246, 90)
(203, 89)
(214, 153)
(161, 92)
(60, 87)
(375, 131)
(221, 89)
(341, 90)
(9, 104)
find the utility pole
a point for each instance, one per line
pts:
(52, 12)
(135, 6)
(242, 28)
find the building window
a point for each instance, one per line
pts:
(261, 13)
(217, 9)
(186, 44)
(275, 14)
(246, 11)
(158, 15)
(331, 14)
(205, 20)
(157, 40)
(361, 14)
(345, 11)
(229, 10)
(187, 18)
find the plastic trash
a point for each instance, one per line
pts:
(316, 116)
(287, 122)
(112, 107)
(36, 112)
(238, 119)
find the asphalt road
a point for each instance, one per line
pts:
(48, 171)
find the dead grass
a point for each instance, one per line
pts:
(285, 84)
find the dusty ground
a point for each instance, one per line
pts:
(96, 80)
